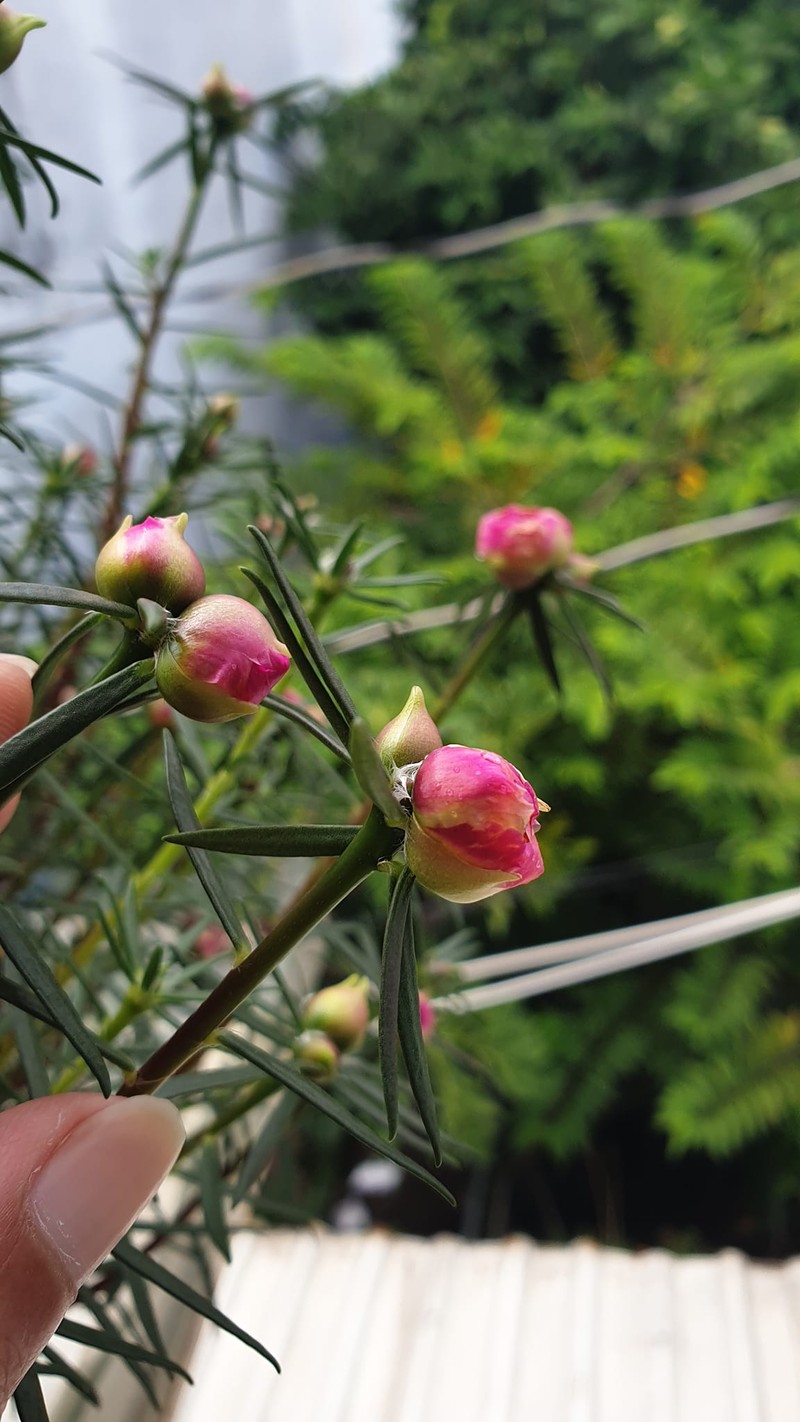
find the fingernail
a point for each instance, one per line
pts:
(25, 664)
(102, 1176)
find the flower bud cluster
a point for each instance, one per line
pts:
(216, 657)
(473, 818)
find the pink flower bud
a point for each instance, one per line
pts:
(427, 1016)
(317, 1056)
(79, 458)
(13, 29)
(342, 1011)
(219, 659)
(211, 941)
(473, 828)
(160, 715)
(522, 544)
(151, 560)
(410, 736)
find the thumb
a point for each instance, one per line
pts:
(74, 1173)
(16, 704)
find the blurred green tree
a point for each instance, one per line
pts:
(680, 403)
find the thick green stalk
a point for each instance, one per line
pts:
(375, 844)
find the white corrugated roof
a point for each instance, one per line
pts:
(380, 1328)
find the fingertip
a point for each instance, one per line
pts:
(16, 693)
(92, 1188)
(14, 659)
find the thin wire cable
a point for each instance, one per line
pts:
(356, 255)
(517, 960)
(368, 634)
(746, 917)
(353, 256)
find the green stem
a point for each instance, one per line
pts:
(375, 843)
(141, 378)
(475, 659)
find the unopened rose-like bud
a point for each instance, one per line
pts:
(317, 1056)
(521, 544)
(151, 560)
(473, 828)
(410, 736)
(13, 29)
(427, 1016)
(219, 659)
(342, 1011)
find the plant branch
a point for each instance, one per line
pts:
(375, 844)
(160, 299)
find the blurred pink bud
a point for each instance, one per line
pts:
(219, 660)
(342, 1011)
(310, 707)
(225, 409)
(521, 544)
(160, 715)
(228, 103)
(411, 736)
(427, 1016)
(222, 412)
(473, 828)
(211, 941)
(80, 458)
(13, 29)
(151, 560)
(317, 1056)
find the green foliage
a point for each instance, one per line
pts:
(681, 405)
(498, 108)
(720, 1103)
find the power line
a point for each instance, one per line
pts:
(353, 256)
(652, 943)
(369, 634)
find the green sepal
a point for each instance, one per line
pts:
(371, 774)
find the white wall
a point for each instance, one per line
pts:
(64, 94)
